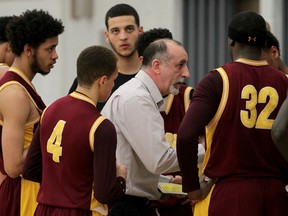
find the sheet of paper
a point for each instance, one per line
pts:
(170, 188)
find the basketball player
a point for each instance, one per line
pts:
(234, 106)
(33, 37)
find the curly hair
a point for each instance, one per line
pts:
(32, 27)
(151, 35)
(4, 20)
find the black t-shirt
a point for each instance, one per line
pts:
(121, 79)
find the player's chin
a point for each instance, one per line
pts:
(126, 52)
(44, 72)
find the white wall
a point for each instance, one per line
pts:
(271, 10)
(85, 31)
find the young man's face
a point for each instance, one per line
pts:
(45, 56)
(122, 34)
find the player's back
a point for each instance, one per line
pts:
(254, 93)
(67, 153)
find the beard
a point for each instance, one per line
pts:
(174, 89)
(35, 66)
(120, 54)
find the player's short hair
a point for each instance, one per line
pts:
(248, 27)
(32, 27)
(122, 10)
(151, 35)
(94, 62)
(271, 40)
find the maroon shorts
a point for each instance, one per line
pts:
(249, 197)
(44, 210)
(10, 190)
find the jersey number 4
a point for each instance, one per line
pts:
(54, 141)
(266, 95)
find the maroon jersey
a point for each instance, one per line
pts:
(78, 147)
(236, 107)
(173, 111)
(12, 77)
(11, 193)
(175, 107)
(240, 132)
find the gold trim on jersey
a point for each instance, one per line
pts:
(252, 62)
(187, 97)
(43, 114)
(4, 65)
(201, 208)
(29, 191)
(29, 131)
(98, 209)
(94, 127)
(211, 127)
(17, 83)
(22, 74)
(167, 103)
(83, 97)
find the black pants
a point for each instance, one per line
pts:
(129, 206)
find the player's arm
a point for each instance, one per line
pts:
(202, 109)
(109, 183)
(33, 162)
(280, 130)
(16, 108)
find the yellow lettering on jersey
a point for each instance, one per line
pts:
(54, 141)
(250, 118)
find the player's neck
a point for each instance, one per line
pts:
(23, 65)
(247, 52)
(283, 67)
(129, 65)
(88, 92)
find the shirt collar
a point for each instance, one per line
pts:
(151, 87)
(252, 62)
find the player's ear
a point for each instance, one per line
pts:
(8, 47)
(231, 42)
(28, 50)
(141, 29)
(275, 52)
(106, 34)
(141, 59)
(102, 80)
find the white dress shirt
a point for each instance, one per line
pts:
(141, 144)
